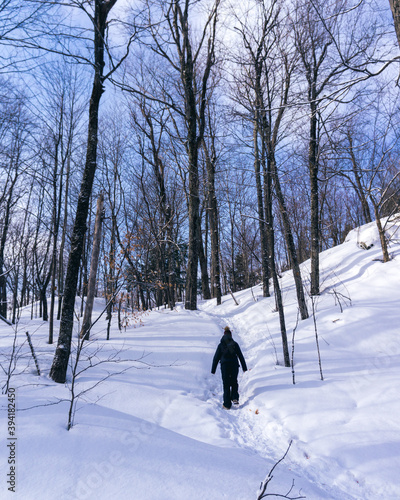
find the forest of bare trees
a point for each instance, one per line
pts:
(227, 141)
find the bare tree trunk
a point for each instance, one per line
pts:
(6, 224)
(15, 300)
(59, 367)
(262, 225)
(43, 265)
(171, 260)
(205, 283)
(215, 251)
(84, 274)
(358, 185)
(55, 227)
(194, 114)
(313, 171)
(53, 288)
(213, 221)
(62, 244)
(87, 318)
(382, 238)
(272, 261)
(194, 202)
(110, 273)
(290, 242)
(232, 284)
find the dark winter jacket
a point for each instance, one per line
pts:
(228, 351)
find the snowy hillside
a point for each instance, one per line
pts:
(154, 428)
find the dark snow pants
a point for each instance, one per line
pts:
(230, 373)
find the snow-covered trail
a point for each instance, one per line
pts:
(196, 410)
(258, 426)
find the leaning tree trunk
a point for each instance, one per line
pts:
(59, 367)
(87, 318)
(272, 261)
(289, 241)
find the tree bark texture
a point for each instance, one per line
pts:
(313, 172)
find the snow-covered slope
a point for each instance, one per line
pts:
(154, 429)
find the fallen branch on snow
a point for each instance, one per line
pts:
(263, 488)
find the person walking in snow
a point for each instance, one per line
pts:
(228, 353)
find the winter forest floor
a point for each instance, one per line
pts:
(154, 428)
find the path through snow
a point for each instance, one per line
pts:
(257, 426)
